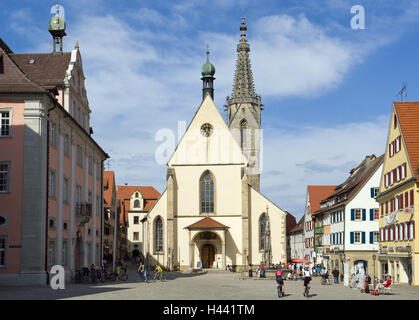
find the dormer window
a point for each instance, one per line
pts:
(136, 203)
(137, 194)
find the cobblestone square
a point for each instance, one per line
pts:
(208, 285)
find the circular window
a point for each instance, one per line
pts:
(206, 129)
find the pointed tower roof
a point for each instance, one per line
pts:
(243, 87)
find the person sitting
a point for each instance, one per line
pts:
(385, 284)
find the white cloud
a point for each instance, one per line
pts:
(316, 156)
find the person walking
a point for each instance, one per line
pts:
(336, 275)
(250, 271)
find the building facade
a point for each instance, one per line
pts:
(136, 202)
(211, 213)
(297, 240)
(110, 216)
(398, 197)
(51, 196)
(351, 214)
(314, 195)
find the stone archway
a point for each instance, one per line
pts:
(208, 248)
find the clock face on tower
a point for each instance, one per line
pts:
(206, 130)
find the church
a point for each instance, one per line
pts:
(211, 213)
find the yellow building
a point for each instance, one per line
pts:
(398, 253)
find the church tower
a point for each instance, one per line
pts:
(243, 111)
(207, 72)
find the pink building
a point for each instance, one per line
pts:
(51, 169)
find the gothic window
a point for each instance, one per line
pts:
(207, 193)
(243, 135)
(158, 228)
(262, 231)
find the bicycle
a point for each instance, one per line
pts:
(307, 291)
(123, 277)
(157, 275)
(280, 292)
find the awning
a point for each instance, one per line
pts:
(207, 224)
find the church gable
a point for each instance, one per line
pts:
(207, 140)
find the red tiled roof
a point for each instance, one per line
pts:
(125, 192)
(317, 194)
(207, 223)
(48, 68)
(408, 117)
(290, 223)
(108, 183)
(299, 227)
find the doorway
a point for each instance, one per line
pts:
(207, 256)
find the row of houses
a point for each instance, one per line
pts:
(368, 221)
(57, 204)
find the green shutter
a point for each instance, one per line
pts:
(364, 214)
(362, 237)
(371, 237)
(352, 214)
(352, 238)
(372, 214)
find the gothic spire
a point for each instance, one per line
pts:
(243, 87)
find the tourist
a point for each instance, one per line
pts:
(250, 271)
(385, 284)
(336, 275)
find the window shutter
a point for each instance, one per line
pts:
(364, 214)
(352, 237)
(371, 237)
(389, 150)
(404, 170)
(352, 214)
(363, 237)
(372, 192)
(371, 214)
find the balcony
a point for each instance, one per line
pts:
(83, 213)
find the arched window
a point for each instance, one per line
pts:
(207, 193)
(158, 229)
(243, 135)
(136, 194)
(262, 231)
(136, 203)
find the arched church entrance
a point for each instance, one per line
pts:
(208, 256)
(209, 249)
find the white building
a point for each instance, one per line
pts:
(353, 214)
(212, 214)
(313, 197)
(297, 240)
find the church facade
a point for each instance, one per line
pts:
(211, 213)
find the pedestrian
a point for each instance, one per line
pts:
(250, 271)
(336, 275)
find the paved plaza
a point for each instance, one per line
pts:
(207, 285)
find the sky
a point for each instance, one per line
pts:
(327, 88)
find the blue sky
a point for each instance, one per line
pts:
(327, 89)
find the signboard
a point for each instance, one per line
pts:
(391, 218)
(408, 210)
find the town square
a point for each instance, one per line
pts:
(184, 150)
